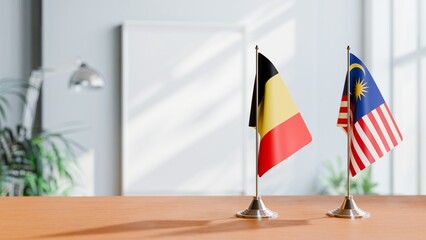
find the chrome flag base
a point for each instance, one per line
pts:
(257, 209)
(348, 209)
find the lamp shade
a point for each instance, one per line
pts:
(86, 77)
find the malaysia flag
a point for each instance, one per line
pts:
(373, 129)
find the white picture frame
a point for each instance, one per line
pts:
(184, 109)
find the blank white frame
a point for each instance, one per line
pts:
(129, 26)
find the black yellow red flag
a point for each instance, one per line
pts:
(281, 127)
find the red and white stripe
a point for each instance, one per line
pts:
(372, 135)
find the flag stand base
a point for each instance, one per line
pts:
(257, 209)
(348, 209)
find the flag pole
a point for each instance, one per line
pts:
(257, 121)
(349, 132)
(257, 208)
(348, 209)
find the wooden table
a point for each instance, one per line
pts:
(392, 217)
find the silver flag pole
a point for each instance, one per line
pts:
(257, 208)
(348, 209)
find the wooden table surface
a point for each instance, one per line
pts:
(300, 217)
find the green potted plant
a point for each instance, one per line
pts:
(334, 180)
(32, 166)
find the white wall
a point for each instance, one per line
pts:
(306, 40)
(395, 53)
(15, 47)
(378, 56)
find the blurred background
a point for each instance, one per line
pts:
(172, 117)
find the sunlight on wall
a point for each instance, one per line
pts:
(406, 115)
(196, 57)
(405, 37)
(305, 39)
(394, 45)
(186, 113)
(266, 12)
(191, 101)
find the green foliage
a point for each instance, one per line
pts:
(36, 166)
(334, 181)
(40, 165)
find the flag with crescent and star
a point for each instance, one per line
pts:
(373, 128)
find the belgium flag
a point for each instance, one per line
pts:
(281, 127)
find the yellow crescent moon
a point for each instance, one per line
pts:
(356, 65)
